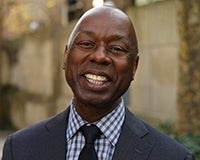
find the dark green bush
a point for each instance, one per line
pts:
(6, 97)
(10, 95)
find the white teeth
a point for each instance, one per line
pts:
(96, 79)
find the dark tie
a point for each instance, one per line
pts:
(91, 133)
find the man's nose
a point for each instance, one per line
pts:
(100, 55)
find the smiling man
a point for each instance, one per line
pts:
(100, 62)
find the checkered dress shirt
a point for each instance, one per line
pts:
(110, 126)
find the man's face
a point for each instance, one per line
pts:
(100, 61)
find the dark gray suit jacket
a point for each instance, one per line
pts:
(138, 141)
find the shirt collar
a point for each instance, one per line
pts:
(110, 125)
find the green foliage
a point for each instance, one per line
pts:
(192, 142)
(9, 95)
(15, 98)
(5, 100)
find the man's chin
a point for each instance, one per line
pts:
(100, 103)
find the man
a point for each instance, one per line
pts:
(100, 62)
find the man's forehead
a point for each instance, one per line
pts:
(104, 21)
(105, 18)
(106, 12)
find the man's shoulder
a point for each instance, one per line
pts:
(166, 145)
(41, 128)
(47, 135)
(161, 143)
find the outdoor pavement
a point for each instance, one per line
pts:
(3, 135)
(1, 146)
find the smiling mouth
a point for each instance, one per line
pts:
(96, 79)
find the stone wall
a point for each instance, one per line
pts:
(155, 86)
(39, 60)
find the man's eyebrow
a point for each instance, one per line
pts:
(80, 32)
(115, 37)
(86, 32)
(119, 37)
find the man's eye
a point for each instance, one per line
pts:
(86, 44)
(117, 49)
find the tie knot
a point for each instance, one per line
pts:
(91, 133)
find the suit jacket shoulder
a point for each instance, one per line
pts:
(140, 141)
(137, 141)
(44, 140)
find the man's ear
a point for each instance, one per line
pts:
(135, 65)
(65, 57)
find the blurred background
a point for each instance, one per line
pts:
(166, 89)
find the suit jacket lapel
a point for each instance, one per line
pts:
(56, 137)
(130, 145)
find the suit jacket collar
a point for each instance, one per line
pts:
(131, 145)
(56, 128)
